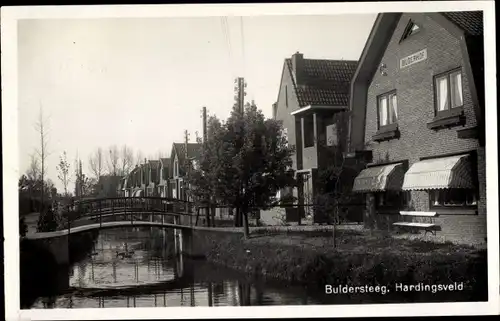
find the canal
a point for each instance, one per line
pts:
(139, 267)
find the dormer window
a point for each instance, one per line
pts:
(411, 29)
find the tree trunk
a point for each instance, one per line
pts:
(246, 229)
(207, 214)
(238, 221)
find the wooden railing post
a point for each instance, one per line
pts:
(100, 213)
(132, 213)
(113, 208)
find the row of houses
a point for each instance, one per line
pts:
(160, 178)
(408, 117)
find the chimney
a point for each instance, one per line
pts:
(298, 67)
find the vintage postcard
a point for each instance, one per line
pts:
(271, 160)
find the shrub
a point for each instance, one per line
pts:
(48, 221)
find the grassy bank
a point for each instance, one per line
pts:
(360, 258)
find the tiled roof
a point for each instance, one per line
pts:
(471, 22)
(193, 150)
(154, 163)
(326, 82)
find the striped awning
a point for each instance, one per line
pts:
(379, 178)
(440, 173)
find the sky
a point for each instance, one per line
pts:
(142, 82)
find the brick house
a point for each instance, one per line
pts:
(122, 187)
(107, 186)
(181, 152)
(151, 168)
(417, 103)
(312, 100)
(137, 181)
(163, 177)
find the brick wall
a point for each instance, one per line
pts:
(415, 92)
(414, 85)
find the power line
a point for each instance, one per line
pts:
(242, 46)
(228, 39)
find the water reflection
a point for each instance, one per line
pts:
(139, 267)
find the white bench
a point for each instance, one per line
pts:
(427, 226)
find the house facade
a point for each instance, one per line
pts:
(151, 178)
(163, 177)
(181, 152)
(417, 104)
(312, 105)
(137, 181)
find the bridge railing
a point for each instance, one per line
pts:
(133, 209)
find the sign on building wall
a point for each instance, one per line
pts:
(413, 59)
(331, 135)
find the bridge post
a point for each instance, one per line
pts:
(113, 208)
(163, 213)
(100, 213)
(132, 213)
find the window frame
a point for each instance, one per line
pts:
(387, 95)
(407, 33)
(176, 167)
(286, 96)
(432, 206)
(451, 110)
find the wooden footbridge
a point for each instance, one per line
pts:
(124, 211)
(116, 212)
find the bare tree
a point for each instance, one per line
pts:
(42, 151)
(139, 158)
(113, 160)
(96, 163)
(33, 171)
(161, 154)
(126, 160)
(64, 174)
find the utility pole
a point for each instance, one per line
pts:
(186, 160)
(204, 125)
(240, 94)
(239, 97)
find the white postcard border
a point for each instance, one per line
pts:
(9, 17)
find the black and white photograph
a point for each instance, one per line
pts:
(336, 159)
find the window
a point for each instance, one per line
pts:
(308, 131)
(331, 135)
(286, 96)
(387, 109)
(453, 198)
(176, 168)
(391, 200)
(410, 29)
(449, 92)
